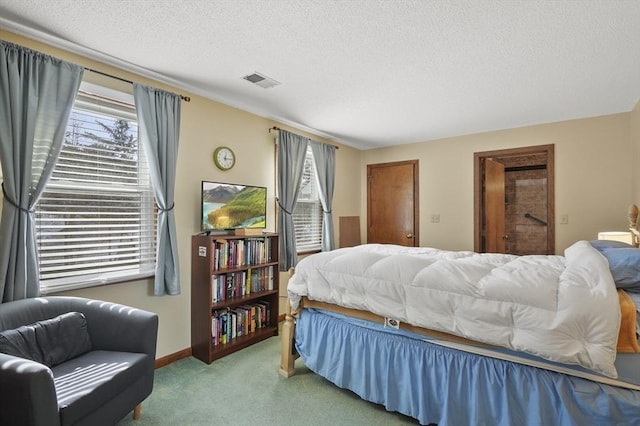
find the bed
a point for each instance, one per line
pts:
(467, 338)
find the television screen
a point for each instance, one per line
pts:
(229, 206)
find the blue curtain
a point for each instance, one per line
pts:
(159, 130)
(36, 97)
(324, 156)
(292, 150)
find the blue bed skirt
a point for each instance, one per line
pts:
(440, 385)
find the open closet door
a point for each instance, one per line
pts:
(495, 237)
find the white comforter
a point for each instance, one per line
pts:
(561, 308)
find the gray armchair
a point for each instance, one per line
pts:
(100, 386)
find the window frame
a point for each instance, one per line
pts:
(111, 105)
(309, 172)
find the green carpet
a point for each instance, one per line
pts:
(245, 389)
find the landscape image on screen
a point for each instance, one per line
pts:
(229, 206)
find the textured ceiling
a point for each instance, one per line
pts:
(367, 73)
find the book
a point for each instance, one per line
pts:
(266, 312)
(251, 321)
(230, 290)
(233, 324)
(244, 314)
(214, 289)
(247, 231)
(258, 316)
(215, 337)
(239, 313)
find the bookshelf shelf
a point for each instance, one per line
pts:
(234, 293)
(241, 300)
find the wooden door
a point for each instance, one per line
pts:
(392, 203)
(495, 236)
(513, 158)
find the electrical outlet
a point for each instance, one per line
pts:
(435, 218)
(564, 219)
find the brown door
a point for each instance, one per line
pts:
(392, 203)
(495, 237)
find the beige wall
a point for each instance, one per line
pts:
(635, 149)
(594, 182)
(593, 177)
(205, 125)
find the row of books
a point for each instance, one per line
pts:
(234, 253)
(241, 283)
(229, 324)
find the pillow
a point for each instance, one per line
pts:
(605, 244)
(50, 342)
(624, 264)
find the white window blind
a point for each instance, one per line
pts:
(307, 213)
(96, 221)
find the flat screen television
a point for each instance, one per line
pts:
(227, 206)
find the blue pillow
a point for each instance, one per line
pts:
(605, 244)
(624, 264)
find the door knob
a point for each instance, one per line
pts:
(409, 235)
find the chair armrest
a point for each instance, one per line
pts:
(29, 395)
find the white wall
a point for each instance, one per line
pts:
(634, 126)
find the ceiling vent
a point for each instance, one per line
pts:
(261, 80)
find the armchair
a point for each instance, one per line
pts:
(98, 387)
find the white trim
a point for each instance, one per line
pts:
(95, 282)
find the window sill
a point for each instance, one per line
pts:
(62, 287)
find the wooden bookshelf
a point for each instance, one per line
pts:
(232, 277)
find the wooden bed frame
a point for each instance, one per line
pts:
(627, 339)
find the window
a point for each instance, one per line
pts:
(96, 221)
(307, 213)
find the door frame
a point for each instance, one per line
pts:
(478, 173)
(416, 196)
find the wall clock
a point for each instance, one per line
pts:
(224, 158)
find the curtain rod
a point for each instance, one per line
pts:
(278, 129)
(184, 98)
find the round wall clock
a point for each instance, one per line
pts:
(224, 158)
